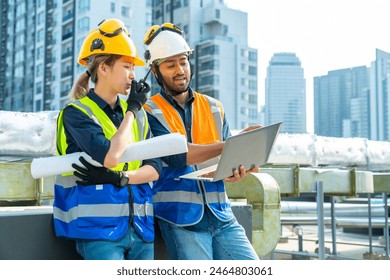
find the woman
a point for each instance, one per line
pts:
(107, 210)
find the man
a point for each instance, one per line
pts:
(195, 217)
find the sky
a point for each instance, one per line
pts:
(325, 35)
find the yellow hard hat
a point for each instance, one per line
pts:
(111, 37)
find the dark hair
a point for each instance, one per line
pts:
(81, 86)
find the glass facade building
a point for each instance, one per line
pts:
(341, 103)
(379, 97)
(40, 42)
(285, 93)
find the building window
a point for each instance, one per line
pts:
(253, 113)
(252, 85)
(209, 65)
(252, 56)
(83, 24)
(244, 96)
(38, 87)
(125, 11)
(39, 72)
(40, 35)
(20, 40)
(209, 50)
(20, 9)
(41, 17)
(158, 14)
(252, 99)
(39, 53)
(176, 4)
(38, 104)
(212, 93)
(217, 13)
(20, 25)
(252, 70)
(84, 5)
(19, 72)
(185, 29)
(209, 80)
(112, 7)
(19, 56)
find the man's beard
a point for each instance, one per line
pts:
(176, 90)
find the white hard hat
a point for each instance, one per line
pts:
(164, 41)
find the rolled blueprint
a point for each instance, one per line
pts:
(155, 147)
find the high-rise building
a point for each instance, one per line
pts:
(40, 42)
(341, 103)
(285, 93)
(380, 97)
(224, 66)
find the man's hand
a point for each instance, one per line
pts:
(137, 96)
(249, 128)
(94, 175)
(240, 173)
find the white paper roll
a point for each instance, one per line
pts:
(155, 147)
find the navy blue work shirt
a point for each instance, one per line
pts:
(84, 135)
(180, 160)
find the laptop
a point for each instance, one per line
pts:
(249, 149)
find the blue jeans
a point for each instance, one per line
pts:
(129, 247)
(210, 239)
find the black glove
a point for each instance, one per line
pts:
(137, 96)
(94, 175)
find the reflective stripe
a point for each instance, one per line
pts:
(178, 196)
(189, 197)
(66, 181)
(216, 197)
(218, 120)
(141, 210)
(157, 112)
(92, 210)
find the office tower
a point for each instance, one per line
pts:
(40, 42)
(285, 93)
(341, 103)
(224, 66)
(379, 97)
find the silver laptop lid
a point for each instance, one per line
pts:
(249, 149)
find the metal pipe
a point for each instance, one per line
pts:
(297, 229)
(320, 215)
(332, 212)
(386, 229)
(369, 224)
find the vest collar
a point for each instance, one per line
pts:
(173, 102)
